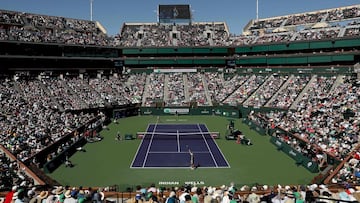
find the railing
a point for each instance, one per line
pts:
(28, 172)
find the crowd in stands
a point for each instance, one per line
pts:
(154, 89)
(306, 18)
(138, 88)
(88, 95)
(202, 87)
(175, 90)
(267, 23)
(331, 110)
(240, 40)
(30, 121)
(317, 34)
(30, 124)
(196, 34)
(217, 88)
(128, 32)
(252, 194)
(135, 87)
(345, 13)
(286, 96)
(155, 35)
(204, 35)
(227, 85)
(325, 123)
(245, 90)
(330, 15)
(112, 90)
(215, 83)
(197, 90)
(189, 194)
(266, 90)
(192, 35)
(64, 194)
(12, 174)
(274, 37)
(62, 148)
(59, 91)
(321, 118)
(37, 112)
(79, 93)
(306, 149)
(26, 27)
(352, 31)
(350, 171)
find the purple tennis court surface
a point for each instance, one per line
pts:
(167, 146)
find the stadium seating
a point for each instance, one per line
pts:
(16, 26)
(26, 27)
(38, 112)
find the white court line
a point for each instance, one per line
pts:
(148, 149)
(178, 140)
(138, 149)
(207, 145)
(172, 152)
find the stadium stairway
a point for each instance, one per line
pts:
(246, 102)
(323, 19)
(294, 36)
(342, 31)
(208, 98)
(186, 88)
(146, 91)
(253, 77)
(281, 88)
(18, 89)
(221, 75)
(327, 169)
(297, 100)
(166, 88)
(211, 42)
(284, 22)
(339, 80)
(138, 43)
(53, 100)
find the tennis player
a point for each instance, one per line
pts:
(192, 164)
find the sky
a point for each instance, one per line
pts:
(113, 13)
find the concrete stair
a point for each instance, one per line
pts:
(306, 89)
(186, 88)
(208, 98)
(281, 88)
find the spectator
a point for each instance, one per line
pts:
(172, 198)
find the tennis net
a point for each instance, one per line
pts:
(177, 135)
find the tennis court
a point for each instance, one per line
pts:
(168, 145)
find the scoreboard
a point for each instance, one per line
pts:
(174, 13)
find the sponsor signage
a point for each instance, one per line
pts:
(190, 70)
(147, 112)
(292, 153)
(176, 110)
(205, 112)
(278, 143)
(192, 182)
